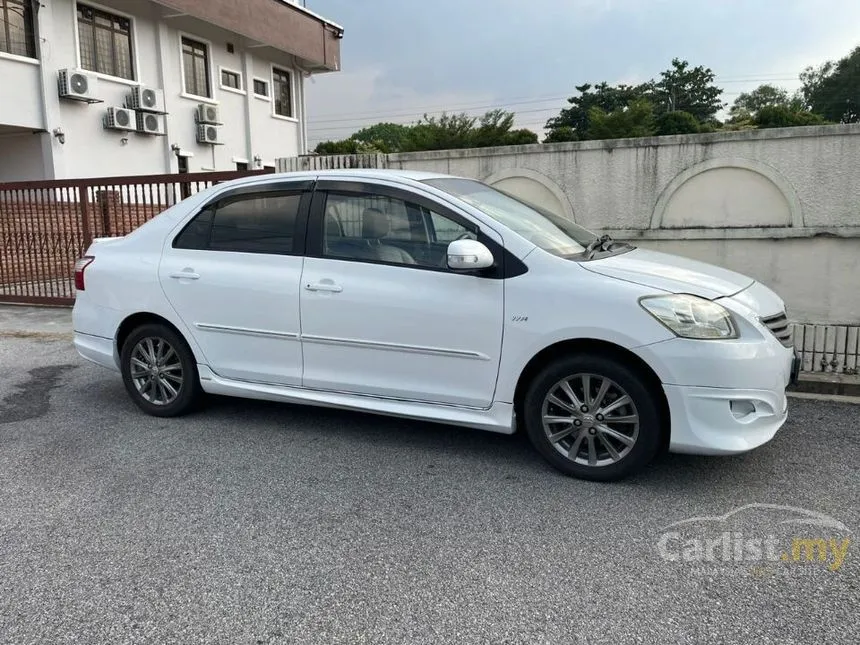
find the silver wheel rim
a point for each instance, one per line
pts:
(156, 371)
(590, 420)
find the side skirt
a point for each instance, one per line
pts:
(498, 418)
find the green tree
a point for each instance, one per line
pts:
(686, 88)
(749, 103)
(387, 137)
(561, 133)
(634, 120)
(677, 122)
(833, 90)
(783, 116)
(573, 122)
(447, 132)
(495, 128)
(811, 79)
(520, 137)
(345, 147)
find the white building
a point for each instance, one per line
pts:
(248, 59)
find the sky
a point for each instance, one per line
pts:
(402, 58)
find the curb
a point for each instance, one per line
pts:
(36, 335)
(830, 398)
(830, 384)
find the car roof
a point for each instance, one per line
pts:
(352, 173)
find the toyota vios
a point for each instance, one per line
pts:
(438, 298)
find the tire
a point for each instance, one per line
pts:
(635, 439)
(175, 389)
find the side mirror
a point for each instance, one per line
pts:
(469, 255)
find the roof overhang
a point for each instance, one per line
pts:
(279, 24)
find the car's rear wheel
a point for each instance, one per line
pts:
(593, 417)
(159, 371)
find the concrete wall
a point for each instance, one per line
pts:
(22, 156)
(20, 88)
(250, 127)
(782, 206)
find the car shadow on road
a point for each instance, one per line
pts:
(272, 422)
(668, 471)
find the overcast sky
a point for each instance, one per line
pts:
(402, 58)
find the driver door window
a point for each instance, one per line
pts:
(377, 228)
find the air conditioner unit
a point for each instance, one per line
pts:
(120, 119)
(77, 86)
(149, 123)
(208, 133)
(146, 99)
(208, 114)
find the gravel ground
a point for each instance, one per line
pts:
(261, 523)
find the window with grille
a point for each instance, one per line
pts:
(261, 88)
(195, 63)
(233, 80)
(16, 28)
(105, 42)
(282, 92)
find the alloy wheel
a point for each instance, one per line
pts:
(156, 371)
(590, 420)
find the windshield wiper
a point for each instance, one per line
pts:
(604, 243)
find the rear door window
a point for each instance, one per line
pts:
(255, 223)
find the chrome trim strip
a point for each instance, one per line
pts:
(245, 331)
(415, 349)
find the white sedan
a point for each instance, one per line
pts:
(439, 298)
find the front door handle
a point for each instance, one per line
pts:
(324, 286)
(185, 275)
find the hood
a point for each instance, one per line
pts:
(670, 273)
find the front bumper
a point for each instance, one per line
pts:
(722, 421)
(725, 397)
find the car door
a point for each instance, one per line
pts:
(232, 274)
(381, 313)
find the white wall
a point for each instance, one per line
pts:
(249, 129)
(21, 156)
(21, 102)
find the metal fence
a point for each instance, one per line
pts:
(332, 162)
(46, 225)
(830, 349)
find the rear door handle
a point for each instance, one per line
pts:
(185, 275)
(324, 286)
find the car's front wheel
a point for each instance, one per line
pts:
(159, 371)
(593, 417)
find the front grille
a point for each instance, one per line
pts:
(779, 327)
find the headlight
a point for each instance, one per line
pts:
(691, 316)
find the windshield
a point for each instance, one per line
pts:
(550, 232)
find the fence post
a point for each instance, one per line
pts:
(84, 201)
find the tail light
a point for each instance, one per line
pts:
(81, 266)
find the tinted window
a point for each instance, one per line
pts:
(253, 224)
(196, 234)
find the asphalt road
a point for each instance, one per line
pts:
(263, 523)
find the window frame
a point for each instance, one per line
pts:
(209, 69)
(304, 188)
(263, 97)
(227, 88)
(292, 85)
(132, 36)
(30, 28)
(506, 265)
